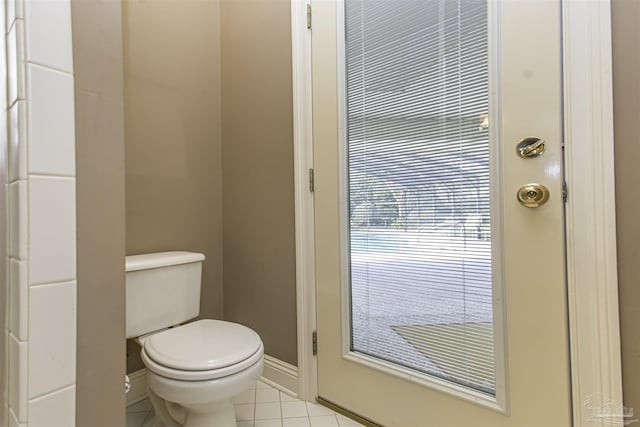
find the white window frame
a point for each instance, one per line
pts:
(590, 216)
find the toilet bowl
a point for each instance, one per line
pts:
(195, 369)
(187, 366)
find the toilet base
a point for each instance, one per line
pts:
(198, 403)
(223, 416)
(162, 417)
(220, 414)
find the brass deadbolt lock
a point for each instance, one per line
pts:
(530, 147)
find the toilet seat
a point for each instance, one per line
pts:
(193, 352)
(177, 374)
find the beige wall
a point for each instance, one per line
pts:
(172, 129)
(175, 160)
(626, 75)
(97, 56)
(4, 283)
(257, 145)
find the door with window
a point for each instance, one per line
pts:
(441, 297)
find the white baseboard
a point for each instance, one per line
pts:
(276, 373)
(281, 375)
(138, 391)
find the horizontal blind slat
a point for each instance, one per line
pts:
(419, 186)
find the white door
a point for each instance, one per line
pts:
(441, 297)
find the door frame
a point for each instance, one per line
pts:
(594, 334)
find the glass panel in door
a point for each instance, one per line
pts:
(417, 108)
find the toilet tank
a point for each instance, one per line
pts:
(162, 290)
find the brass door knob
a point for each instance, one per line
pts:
(533, 195)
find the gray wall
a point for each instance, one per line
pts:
(4, 218)
(257, 167)
(172, 131)
(97, 57)
(626, 93)
(200, 145)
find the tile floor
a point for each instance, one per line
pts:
(264, 406)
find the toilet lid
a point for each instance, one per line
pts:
(203, 345)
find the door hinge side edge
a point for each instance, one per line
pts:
(311, 180)
(314, 342)
(565, 192)
(309, 16)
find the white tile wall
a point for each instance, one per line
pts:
(51, 121)
(52, 338)
(18, 378)
(18, 227)
(15, 62)
(10, 13)
(13, 421)
(48, 33)
(12, 67)
(18, 7)
(54, 410)
(42, 230)
(17, 142)
(52, 229)
(18, 297)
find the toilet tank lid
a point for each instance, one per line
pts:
(160, 259)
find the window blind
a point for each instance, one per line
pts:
(417, 90)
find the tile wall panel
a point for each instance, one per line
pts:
(52, 229)
(52, 338)
(18, 298)
(41, 326)
(18, 378)
(18, 226)
(53, 410)
(51, 122)
(48, 33)
(17, 133)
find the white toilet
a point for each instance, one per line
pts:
(195, 369)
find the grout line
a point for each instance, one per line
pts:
(13, 23)
(15, 180)
(11, 335)
(57, 283)
(51, 175)
(49, 67)
(15, 101)
(255, 403)
(68, 386)
(281, 411)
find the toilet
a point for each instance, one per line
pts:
(194, 369)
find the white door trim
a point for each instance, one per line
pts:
(590, 215)
(591, 233)
(304, 219)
